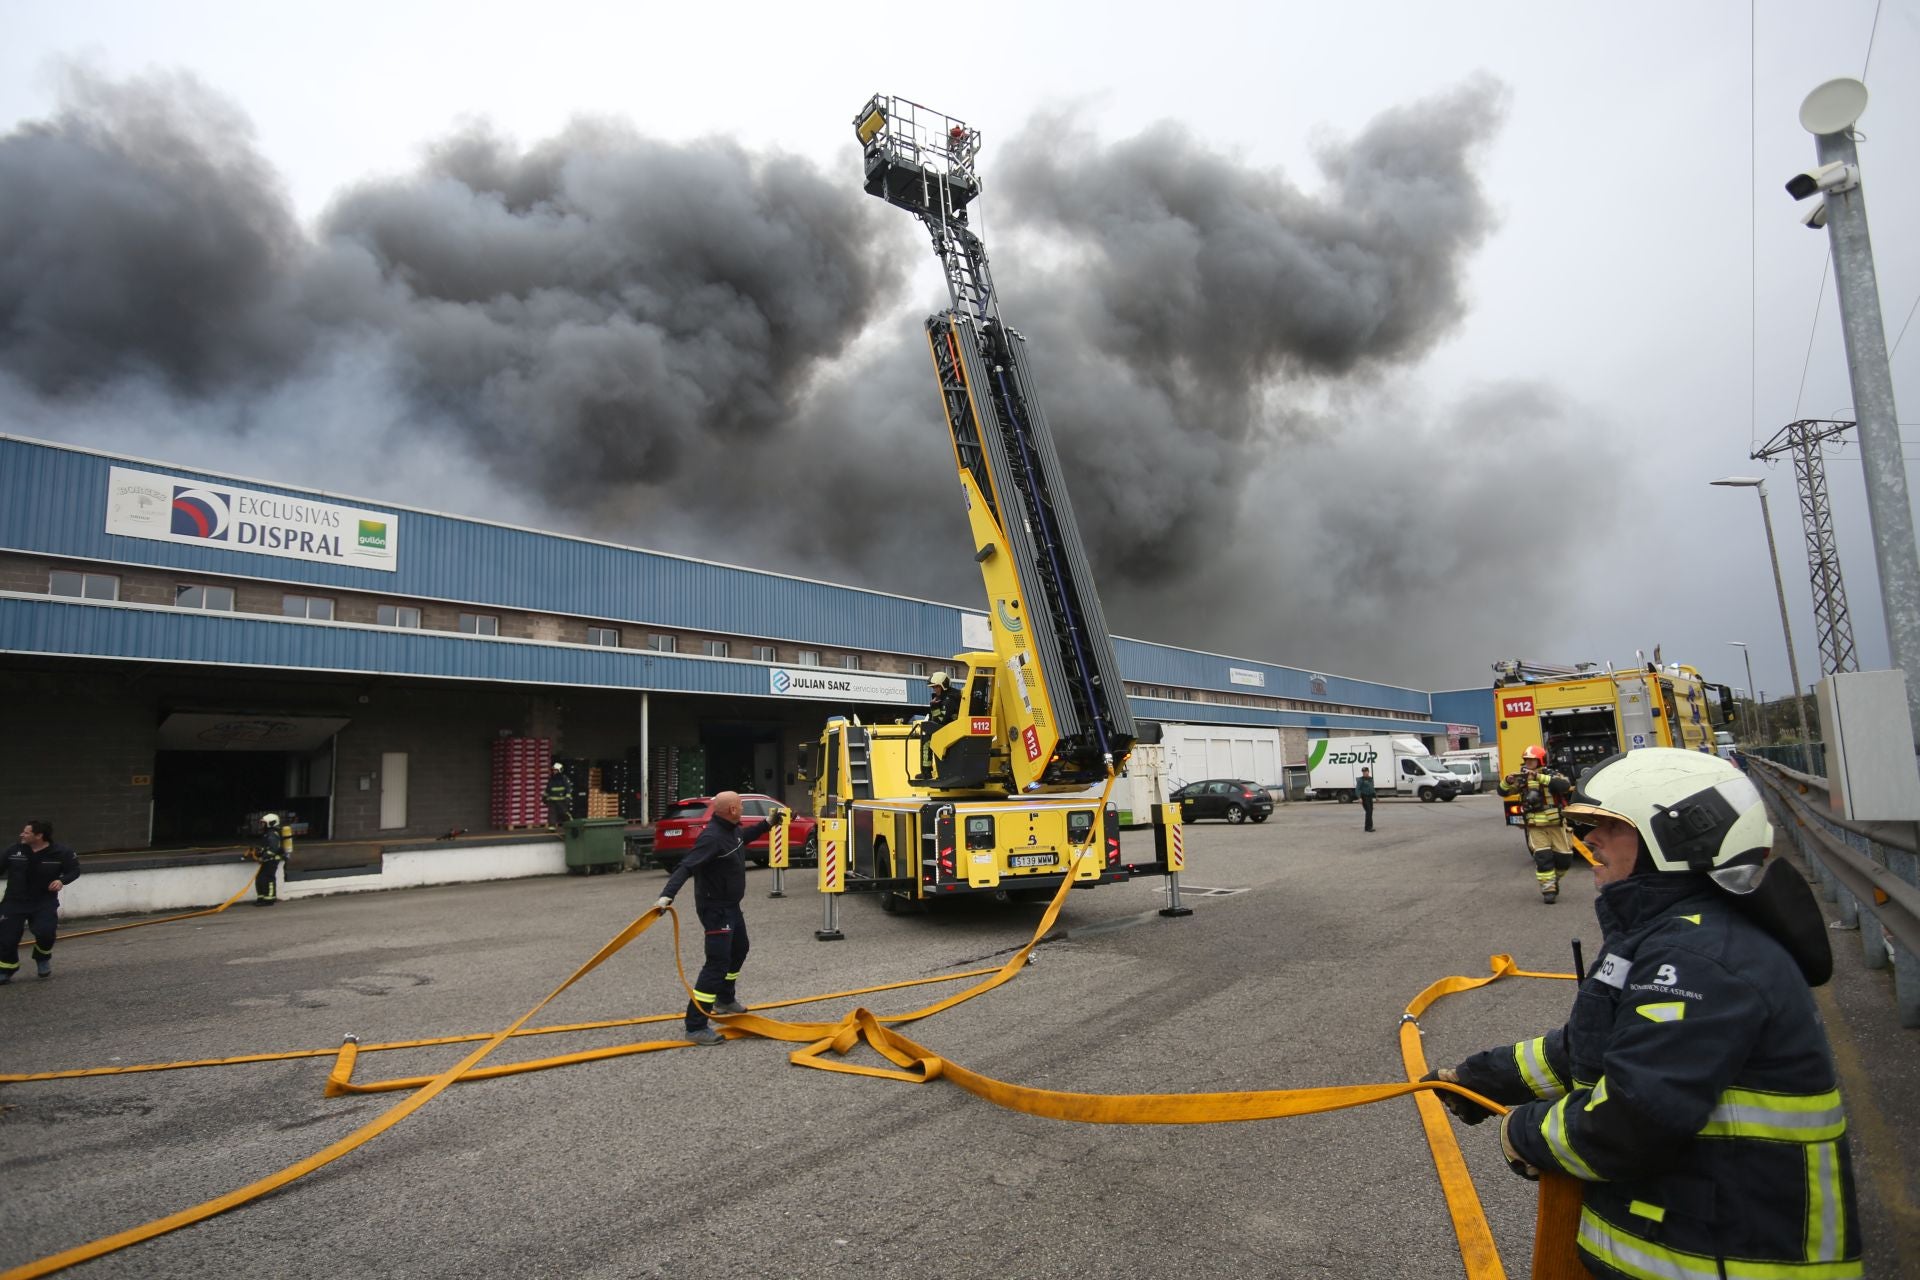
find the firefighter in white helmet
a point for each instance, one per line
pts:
(269, 850)
(558, 796)
(1542, 793)
(1692, 1089)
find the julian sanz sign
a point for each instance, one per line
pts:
(826, 682)
(143, 504)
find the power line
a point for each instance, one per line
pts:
(1819, 299)
(1870, 35)
(1903, 328)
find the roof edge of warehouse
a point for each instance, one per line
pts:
(980, 610)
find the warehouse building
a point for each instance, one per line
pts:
(180, 648)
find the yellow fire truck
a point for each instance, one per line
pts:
(1582, 714)
(1005, 796)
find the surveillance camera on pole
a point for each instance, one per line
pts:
(1837, 176)
(1829, 113)
(1815, 217)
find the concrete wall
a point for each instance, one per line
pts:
(187, 888)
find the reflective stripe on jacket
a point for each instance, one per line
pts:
(1541, 780)
(1693, 1090)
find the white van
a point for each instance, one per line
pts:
(1401, 766)
(1467, 769)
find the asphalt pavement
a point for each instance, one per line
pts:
(1308, 937)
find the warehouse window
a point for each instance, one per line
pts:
(662, 644)
(479, 624)
(850, 662)
(714, 648)
(194, 597)
(317, 607)
(916, 668)
(88, 586)
(398, 615)
(807, 658)
(605, 637)
(764, 653)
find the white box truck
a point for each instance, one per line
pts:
(1401, 767)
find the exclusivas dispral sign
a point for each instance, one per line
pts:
(144, 504)
(824, 682)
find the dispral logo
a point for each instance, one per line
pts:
(1032, 740)
(200, 513)
(1512, 708)
(782, 682)
(373, 534)
(981, 724)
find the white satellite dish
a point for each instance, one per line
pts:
(1834, 106)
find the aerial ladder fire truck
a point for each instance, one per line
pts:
(1000, 798)
(1583, 713)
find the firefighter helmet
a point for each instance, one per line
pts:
(1535, 754)
(1694, 812)
(940, 679)
(269, 820)
(557, 766)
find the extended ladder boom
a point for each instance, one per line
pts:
(1061, 686)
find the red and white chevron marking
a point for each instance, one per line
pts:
(830, 863)
(1176, 850)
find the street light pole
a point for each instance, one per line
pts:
(1779, 590)
(1742, 646)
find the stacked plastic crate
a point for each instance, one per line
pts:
(602, 800)
(520, 768)
(666, 781)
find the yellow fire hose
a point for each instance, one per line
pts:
(239, 893)
(1559, 1197)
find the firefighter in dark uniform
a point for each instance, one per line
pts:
(1692, 1090)
(717, 865)
(37, 870)
(270, 849)
(559, 796)
(943, 707)
(1543, 793)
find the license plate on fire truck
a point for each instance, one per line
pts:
(1032, 860)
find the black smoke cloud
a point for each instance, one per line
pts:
(714, 351)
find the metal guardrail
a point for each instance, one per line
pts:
(1872, 875)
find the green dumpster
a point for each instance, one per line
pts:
(595, 845)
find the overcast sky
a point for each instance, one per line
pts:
(1581, 292)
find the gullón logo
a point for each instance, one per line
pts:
(373, 534)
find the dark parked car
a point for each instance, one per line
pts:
(1234, 799)
(684, 820)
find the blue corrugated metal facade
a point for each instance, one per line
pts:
(1467, 706)
(53, 501)
(56, 504)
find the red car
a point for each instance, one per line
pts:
(684, 820)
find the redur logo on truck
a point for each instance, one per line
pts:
(1352, 755)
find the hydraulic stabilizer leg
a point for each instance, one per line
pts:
(1170, 844)
(831, 836)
